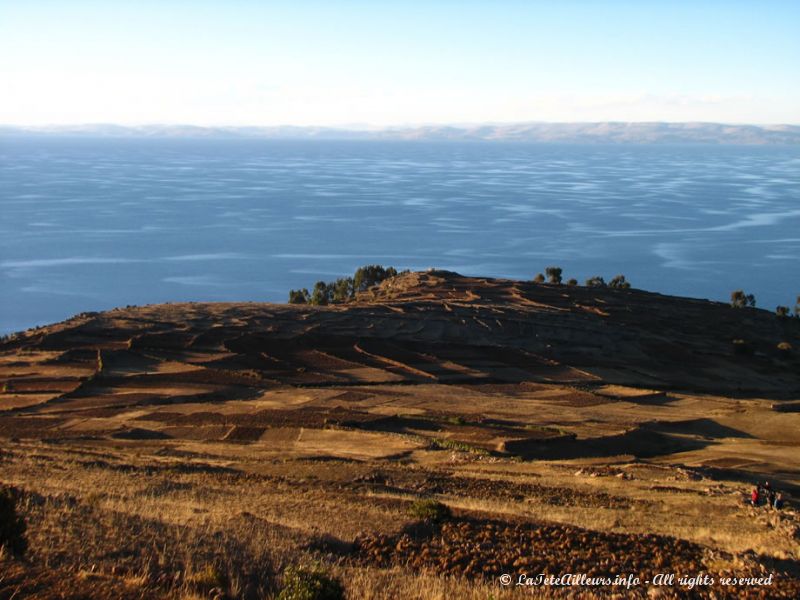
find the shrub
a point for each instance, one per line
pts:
(785, 349)
(782, 311)
(797, 308)
(572, 282)
(596, 281)
(741, 300)
(12, 525)
(553, 274)
(299, 296)
(619, 281)
(310, 583)
(539, 278)
(430, 510)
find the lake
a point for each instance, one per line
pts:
(90, 224)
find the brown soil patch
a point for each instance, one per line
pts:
(487, 548)
(242, 433)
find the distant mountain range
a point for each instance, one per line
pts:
(605, 132)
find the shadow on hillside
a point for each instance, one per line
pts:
(707, 428)
(640, 442)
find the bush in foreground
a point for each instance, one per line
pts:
(310, 583)
(430, 510)
(12, 525)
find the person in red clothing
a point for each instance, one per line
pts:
(754, 496)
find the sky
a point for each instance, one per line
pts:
(379, 63)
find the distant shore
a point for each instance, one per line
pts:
(595, 132)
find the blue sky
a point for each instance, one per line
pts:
(398, 63)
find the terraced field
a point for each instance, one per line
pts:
(568, 429)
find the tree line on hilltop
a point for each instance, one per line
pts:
(345, 289)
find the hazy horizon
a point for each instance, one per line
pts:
(377, 126)
(609, 132)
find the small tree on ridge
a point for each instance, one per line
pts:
(741, 300)
(299, 296)
(553, 274)
(596, 281)
(619, 281)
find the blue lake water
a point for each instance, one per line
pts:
(90, 224)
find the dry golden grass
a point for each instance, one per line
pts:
(139, 519)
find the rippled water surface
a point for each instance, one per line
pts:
(92, 224)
